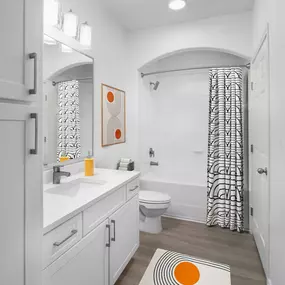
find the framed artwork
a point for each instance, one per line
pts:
(113, 111)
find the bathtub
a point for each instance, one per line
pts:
(188, 201)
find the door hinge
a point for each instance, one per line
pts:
(251, 148)
(46, 98)
(251, 211)
(45, 139)
(252, 85)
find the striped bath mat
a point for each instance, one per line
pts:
(171, 268)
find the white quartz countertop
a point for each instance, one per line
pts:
(77, 193)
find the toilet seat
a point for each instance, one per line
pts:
(152, 197)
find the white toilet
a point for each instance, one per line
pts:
(152, 206)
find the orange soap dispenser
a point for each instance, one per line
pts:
(89, 165)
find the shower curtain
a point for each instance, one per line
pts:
(225, 149)
(68, 136)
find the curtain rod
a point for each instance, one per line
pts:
(193, 68)
(78, 79)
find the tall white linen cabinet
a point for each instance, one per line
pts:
(21, 32)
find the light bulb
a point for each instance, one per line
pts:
(70, 23)
(85, 35)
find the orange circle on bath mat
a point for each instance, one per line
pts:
(118, 134)
(187, 273)
(110, 97)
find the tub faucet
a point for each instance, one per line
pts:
(57, 174)
(154, 163)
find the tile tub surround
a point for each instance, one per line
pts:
(62, 205)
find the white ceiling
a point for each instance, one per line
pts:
(142, 14)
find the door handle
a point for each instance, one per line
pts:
(35, 117)
(114, 223)
(262, 171)
(73, 232)
(34, 56)
(108, 244)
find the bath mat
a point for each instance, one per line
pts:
(171, 268)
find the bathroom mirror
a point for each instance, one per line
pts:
(67, 104)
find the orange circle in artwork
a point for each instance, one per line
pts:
(110, 97)
(186, 273)
(118, 134)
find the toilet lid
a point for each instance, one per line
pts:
(153, 197)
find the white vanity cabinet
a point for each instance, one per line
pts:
(110, 238)
(124, 237)
(84, 264)
(21, 31)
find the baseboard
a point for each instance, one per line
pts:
(199, 222)
(183, 219)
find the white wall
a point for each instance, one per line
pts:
(230, 33)
(272, 12)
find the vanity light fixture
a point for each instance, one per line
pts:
(85, 35)
(70, 24)
(49, 41)
(51, 12)
(177, 5)
(66, 49)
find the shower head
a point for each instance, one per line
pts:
(155, 85)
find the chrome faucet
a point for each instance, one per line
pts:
(151, 152)
(154, 163)
(57, 174)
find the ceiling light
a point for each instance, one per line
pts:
(70, 23)
(49, 41)
(85, 35)
(51, 12)
(177, 4)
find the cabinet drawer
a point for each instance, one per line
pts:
(94, 215)
(61, 239)
(133, 188)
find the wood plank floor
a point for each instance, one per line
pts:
(215, 244)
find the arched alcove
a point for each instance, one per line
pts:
(185, 58)
(173, 120)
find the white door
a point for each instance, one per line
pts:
(21, 195)
(259, 160)
(21, 31)
(124, 237)
(85, 264)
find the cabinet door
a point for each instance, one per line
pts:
(21, 31)
(125, 237)
(21, 197)
(85, 264)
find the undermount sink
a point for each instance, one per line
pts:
(91, 180)
(74, 187)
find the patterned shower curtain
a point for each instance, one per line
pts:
(68, 143)
(225, 149)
